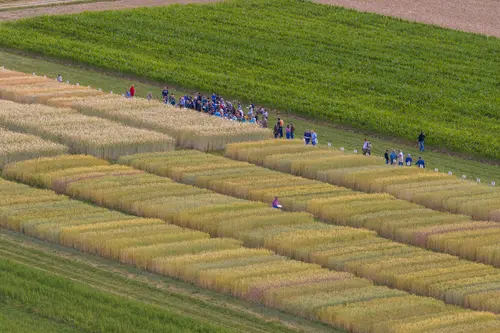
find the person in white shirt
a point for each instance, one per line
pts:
(59, 78)
(365, 147)
(401, 157)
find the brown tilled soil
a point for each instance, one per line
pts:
(479, 16)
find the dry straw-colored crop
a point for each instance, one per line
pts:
(296, 235)
(223, 265)
(432, 189)
(191, 129)
(82, 134)
(16, 147)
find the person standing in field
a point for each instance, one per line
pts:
(369, 148)
(314, 138)
(386, 156)
(280, 127)
(307, 137)
(400, 158)
(164, 94)
(420, 163)
(408, 160)
(365, 147)
(393, 157)
(421, 139)
(149, 96)
(288, 132)
(132, 91)
(264, 122)
(276, 130)
(292, 131)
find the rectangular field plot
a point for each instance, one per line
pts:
(82, 134)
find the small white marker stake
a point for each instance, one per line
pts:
(99, 89)
(464, 177)
(77, 84)
(34, 74)
(67, 82)
(493, 183)
(355, 151)
(436, 170)
(478, 180)
(450, 173)
(329, 144)
(111, 92)
(341, 148)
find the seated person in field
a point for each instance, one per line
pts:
(307, 137)
(276, 203)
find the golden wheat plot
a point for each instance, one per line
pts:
(295, 235)
(17, 147)
(432, 189)
(191, 129)
(380, 212)
(82, 134)
(223, 265)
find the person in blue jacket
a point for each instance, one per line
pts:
(408, 160)
(393, 157)
(420, 163)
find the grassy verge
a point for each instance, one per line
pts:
(365, 70)
(349, 139)
(109, 278)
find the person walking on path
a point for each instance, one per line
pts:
(292, 131)
(314, 138)
(307, 137)
(420, 163)
(132, 91)
(421, 139)
(386, 156)
(393, 157)
(408, 160)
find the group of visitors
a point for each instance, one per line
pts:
(278, 130)
(399, 159)
(215, 105)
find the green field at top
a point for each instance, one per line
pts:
(366, 70)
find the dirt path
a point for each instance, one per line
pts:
(479, 16)
(82, 7)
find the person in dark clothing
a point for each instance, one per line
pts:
(276, 131)
(164, 93)
(420, 163)
(292, 131)
(307, 137)
(421, 139)
(386, 156)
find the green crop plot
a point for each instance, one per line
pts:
(366, 70)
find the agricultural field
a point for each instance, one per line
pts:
(454, 234)
(103, 277)
(403, 76)
(295, 235)
(435, 190)
(336, 298)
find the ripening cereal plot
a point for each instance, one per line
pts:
(82, 134)
(223, 265)
(453, 234)
(191, 129)
(296, 235)
(17, 147)
(365, 173)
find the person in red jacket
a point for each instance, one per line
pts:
(132, 91)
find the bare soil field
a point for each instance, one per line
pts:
(478, 16)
